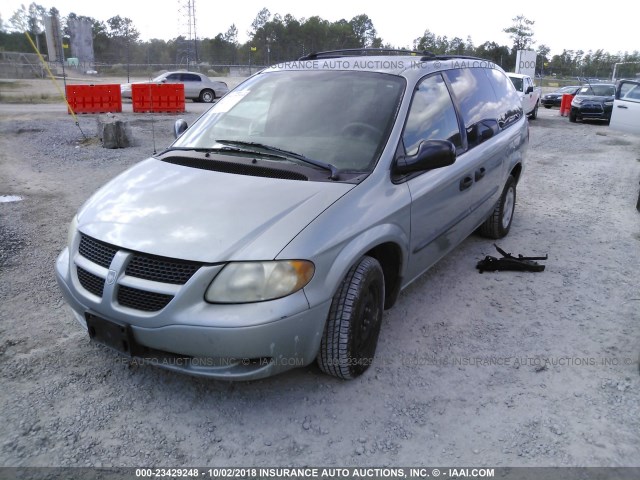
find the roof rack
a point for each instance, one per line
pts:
(464, 57)
(365, 51)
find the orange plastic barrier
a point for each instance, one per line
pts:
(565, 105)
(158, 97)
(94, 98)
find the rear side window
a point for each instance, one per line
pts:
(432, 116)
(475, 95)
(190, 77)
(509, 107)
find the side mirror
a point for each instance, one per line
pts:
(431, 154)
(487, 129)
(179, 127)
(529, 89)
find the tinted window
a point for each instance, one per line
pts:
(190, 77)
(174, 77)
(475, 95)
(432, 116)
(508, 107)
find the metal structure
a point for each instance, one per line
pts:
(187, 52)
(615, 68)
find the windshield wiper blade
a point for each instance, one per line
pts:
(285, 153)
(223, 148)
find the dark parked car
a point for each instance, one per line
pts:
(554, 99)
(593, 102)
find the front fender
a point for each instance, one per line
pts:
(332, 265)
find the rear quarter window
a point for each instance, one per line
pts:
(508, 107)
(475, 95)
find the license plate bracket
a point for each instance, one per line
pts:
(115, 335)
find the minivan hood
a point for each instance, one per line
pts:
(207, 216)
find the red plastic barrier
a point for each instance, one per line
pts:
(158, 97)
(94, 98)
(565, 105)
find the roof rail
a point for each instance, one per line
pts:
(364, 51)
(464, 57)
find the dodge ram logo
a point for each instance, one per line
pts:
(111, 277)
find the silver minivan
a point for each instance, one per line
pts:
(279, 226)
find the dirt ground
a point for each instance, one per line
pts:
(498, 369)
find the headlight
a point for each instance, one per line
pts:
(73, 227)
(246, 282)
(576, 101)
(608, 102)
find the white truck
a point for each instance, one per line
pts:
(626, 107)
(529, 95)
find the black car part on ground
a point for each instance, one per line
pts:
(509, 262)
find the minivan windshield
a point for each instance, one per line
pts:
(342, 118)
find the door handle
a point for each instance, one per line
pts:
(623, 106)
(480, 173)
(466, 182)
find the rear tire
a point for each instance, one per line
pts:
(351, 334)
(207, 96)
(499, 222)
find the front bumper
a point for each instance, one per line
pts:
(592, 111)
(229, 342)
(551, 102)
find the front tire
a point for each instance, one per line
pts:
(351, 333)
(573, 117)
(499, 222)
(534, 113)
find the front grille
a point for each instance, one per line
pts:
(141, 299)
(161, 269)
(90, 282)
(96, 251)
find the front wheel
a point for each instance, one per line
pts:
(534, 113)
(573, 117)
(351, 333)
(499, 222)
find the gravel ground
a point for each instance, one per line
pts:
(499, 369)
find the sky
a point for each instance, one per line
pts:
(398, 22)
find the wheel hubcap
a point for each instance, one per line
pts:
(369, 319)
(507, 208)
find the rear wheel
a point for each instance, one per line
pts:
(499, 222)
(207, 96)
(351, 333)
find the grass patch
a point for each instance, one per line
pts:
(31, 98)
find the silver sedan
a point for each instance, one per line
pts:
(197, 87)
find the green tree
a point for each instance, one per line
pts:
(365, 32)
(521, 32)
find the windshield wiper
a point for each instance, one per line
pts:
(208, 150)
(284, 153)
